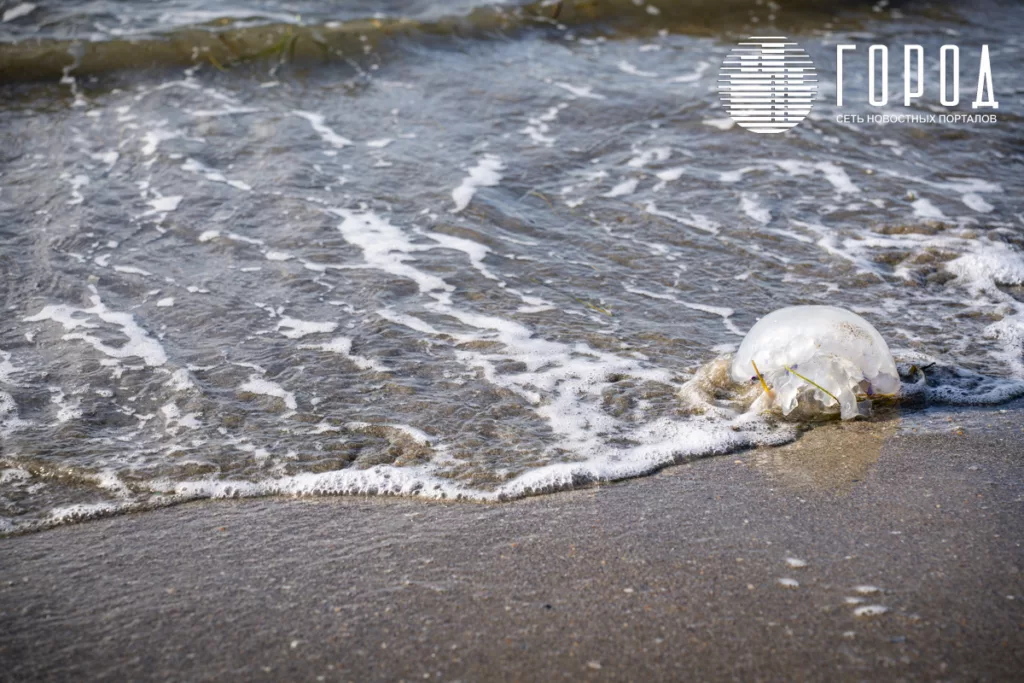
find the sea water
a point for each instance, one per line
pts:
(456, 250)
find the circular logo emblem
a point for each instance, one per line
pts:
(767, 84)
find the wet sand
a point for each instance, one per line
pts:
(670, 577)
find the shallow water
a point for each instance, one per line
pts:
(460, 263)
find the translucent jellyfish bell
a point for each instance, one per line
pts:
(816, 357)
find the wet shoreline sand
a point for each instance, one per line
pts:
(668, 577)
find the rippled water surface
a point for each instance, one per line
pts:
(460, 262)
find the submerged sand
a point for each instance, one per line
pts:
(686, 575)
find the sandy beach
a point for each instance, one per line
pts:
(678, 576)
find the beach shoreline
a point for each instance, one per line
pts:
(685, 574)
(263, 259)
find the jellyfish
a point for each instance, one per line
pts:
(816, 357)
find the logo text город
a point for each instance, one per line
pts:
(914, 76)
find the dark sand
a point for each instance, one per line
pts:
(670, 577)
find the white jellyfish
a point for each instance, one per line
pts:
(816, 357)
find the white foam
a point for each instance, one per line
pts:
(165, 204)
(721, 123)
(833, 173)
(564, 383)
(694, 220)
(153, 138)
(213, 175)
(380, 479)
(855, 251)
(977, 202)
(13, 474)
(322, 129)
(77, 183)
(789, 583)
(952, 185)
(584, 91)
(795, 562)
(387, 248)
(923, 208)
(649, 294)
(242, 238)
(132, 270)
(485, 174)
(224, 111)
(417, 435)
(660, 444)
(9, 420)
(175, 420)
(6, 367)
(624, 188)
(537, 127)
(412, 322)
(80, 512)
(260, 385)
(343, 346)
(20, 10)
(837, 176)
(165, 302)
(293, 328)
(749, 206)
(736, 175)
(180, 380)
(109, 157)
(725, 313)
(983, 270)
(632, 70)
(475, 251)
(138, 345)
